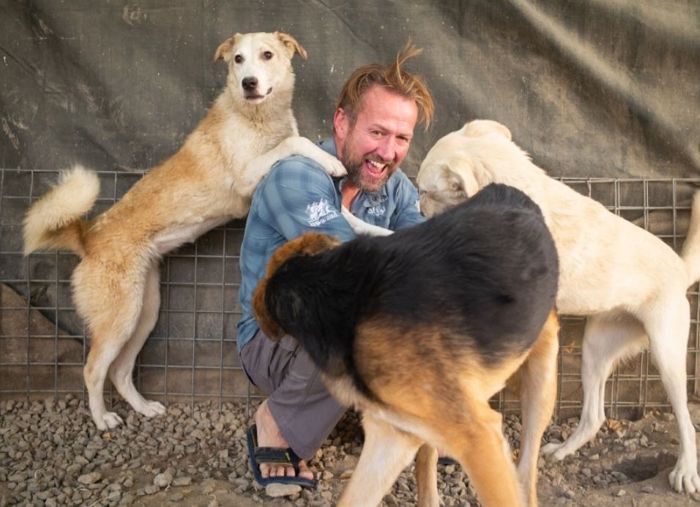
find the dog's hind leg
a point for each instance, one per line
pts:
(607, 339)
(668, 323)
(426, 476)
(121, 370)
(538, 388)
(109, 332)
(386, 451)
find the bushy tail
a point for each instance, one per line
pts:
(691, 247)
(55, 221)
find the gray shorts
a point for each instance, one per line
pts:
(301, 405)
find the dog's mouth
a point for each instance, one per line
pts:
(253, 95)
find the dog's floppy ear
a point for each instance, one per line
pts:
(267, 324)
(308, 244)
(477, 128)
(291, 44)
(224, 49)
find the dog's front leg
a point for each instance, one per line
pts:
(257, 168)
(385, 453)
(426, 476)
(362, 227)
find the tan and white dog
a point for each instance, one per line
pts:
(209, 181)
(630, 284)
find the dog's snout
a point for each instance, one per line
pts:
(250, 83)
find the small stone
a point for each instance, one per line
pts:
(163, 480)
(151, 489)
(647, 488)
(275, 489)
(182, 481)
(177, 497)
(621, 492)
(90, 478)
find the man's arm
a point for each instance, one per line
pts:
(297, 196)
(257, 168)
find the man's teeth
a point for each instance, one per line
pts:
(377, 165)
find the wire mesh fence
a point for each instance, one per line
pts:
(191, 354)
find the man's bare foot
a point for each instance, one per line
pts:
(269, 436)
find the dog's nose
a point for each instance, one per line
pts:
(250, 83)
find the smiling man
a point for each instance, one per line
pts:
(374, 120)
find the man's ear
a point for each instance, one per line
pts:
(341, 123)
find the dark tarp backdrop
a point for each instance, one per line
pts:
(589, 88)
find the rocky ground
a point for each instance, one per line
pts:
(52, 454)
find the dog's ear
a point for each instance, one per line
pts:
(224, 49)
(291, 44)
(466, 175)
(267, 324)
(477, 128)
(308, 244)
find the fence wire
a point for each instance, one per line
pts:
(191, 354)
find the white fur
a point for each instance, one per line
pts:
(361, 227)
(628, 282)
(72, 198)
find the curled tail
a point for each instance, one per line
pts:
(55, 221)
(691, 247)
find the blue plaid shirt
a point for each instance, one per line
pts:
(297, 196)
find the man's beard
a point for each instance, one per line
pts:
(360, 179)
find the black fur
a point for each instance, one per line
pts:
(485, 272)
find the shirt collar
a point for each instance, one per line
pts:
(368, 199)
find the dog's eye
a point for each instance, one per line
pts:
(267, 55)
(238, 59)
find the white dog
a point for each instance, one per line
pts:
(209, 181)
(630, 284)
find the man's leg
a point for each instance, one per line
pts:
(300, 412)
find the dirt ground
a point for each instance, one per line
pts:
(572, 482)
(51, 454)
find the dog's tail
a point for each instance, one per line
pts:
(691, 247)
(55, 221)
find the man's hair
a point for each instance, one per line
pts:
(394, 79)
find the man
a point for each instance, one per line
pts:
(374, 120)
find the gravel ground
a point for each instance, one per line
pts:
(52, 454)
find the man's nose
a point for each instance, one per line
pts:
(387, 148)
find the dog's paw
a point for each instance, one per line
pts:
(331, 165)
(151, 409)
(108, 421)
(684, 478)
(555, 450)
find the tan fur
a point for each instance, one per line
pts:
(629, 283)
(209, 181)
(429, 398)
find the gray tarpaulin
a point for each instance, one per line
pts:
(588, 87)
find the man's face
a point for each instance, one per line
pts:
(374, 145)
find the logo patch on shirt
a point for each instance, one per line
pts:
(377, 211)
(320, 212)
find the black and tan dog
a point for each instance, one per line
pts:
(419, 329)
